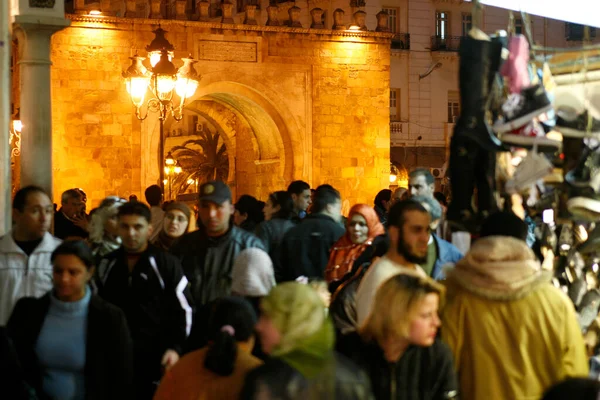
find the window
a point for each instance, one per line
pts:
(442, 19)
(453, 106)
(576, 32)
(467, 23)
(392, 19)
(518, 26)
(395, 114)
(324, 18)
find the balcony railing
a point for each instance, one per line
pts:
(448, 43)
(401, 41)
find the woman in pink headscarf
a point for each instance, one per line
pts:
(362, 228)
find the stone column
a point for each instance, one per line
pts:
(317, 18)
(155, 9)
(227, 9)
(34, 33)
(359, 20)
(338, 20)
(5, 83)
(180, 10)
(250, 17)
(202, 7)
(273, 16)
(131, 10)
(382, 22)
(294, 14)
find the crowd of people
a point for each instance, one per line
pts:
(285, 299)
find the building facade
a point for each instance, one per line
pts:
(424, 97)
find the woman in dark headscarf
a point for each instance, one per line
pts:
(175, 225)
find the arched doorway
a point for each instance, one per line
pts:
(259, 137)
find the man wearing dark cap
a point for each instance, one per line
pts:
(207, 254)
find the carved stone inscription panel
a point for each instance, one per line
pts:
(216, 50)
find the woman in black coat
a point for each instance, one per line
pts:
(278, 212)
(71, 343)
(398, 345)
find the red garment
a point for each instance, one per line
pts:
(344, 252)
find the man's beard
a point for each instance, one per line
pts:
(405, 252)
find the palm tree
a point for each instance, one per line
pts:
(206, 162)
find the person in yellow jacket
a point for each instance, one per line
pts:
(512, 333)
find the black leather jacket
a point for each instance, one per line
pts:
(305, 247)
(271, 233)
(207, 261)
(276, 380)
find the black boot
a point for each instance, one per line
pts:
(463, 162)
(479, 62)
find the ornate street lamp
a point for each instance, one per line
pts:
(157, 45)
(169, 86)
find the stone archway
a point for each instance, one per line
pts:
(260, 150)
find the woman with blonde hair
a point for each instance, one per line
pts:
(398, 345)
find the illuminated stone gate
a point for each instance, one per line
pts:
(290, 103)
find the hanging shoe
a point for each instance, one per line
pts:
(515, 68)
(592, 244)
(587, 172)
(479, 61)
(530, 135)
(571, 124)
(588, 311)
(533, 168)
(585, 206)
(519, 109)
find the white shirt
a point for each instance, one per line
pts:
(376, 275)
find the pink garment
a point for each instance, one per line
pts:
(515, 67)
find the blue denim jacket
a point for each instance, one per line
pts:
(446, 253)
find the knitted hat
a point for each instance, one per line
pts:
(252, 273)
(176, 205)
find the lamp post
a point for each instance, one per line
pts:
(15, 135)
(169, 86)
(15, 150)
(172, 169)
(393, 177)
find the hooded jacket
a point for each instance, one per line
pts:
(22, 275)
(154, 298)
(512, 333)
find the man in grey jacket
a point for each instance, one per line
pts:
(25, 267)
(207, 255)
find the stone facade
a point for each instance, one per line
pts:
(290, 103)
